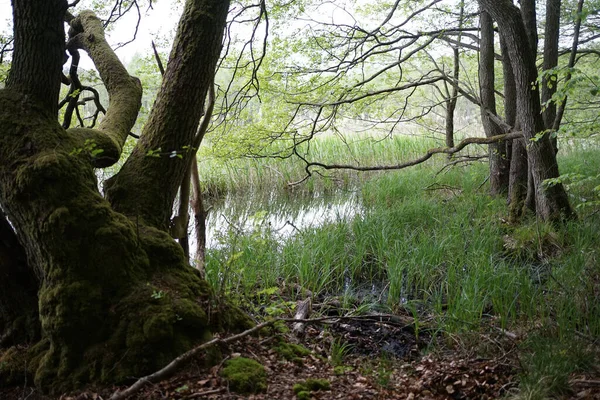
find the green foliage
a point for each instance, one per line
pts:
(588, 187)
(90, 147)
(338, 352)
(548, 365)
(311, 385)
(245, 375)
(292, 352)
(182, 389)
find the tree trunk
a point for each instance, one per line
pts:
(19, 322)
(552, 203)
(572, 59)
(172, 123)
(453, 95)
(499, 164)
(529, 14)
(199, 219)
(549, 84)
(451, 101)
(117, 297)
(510, 96)
(31, 68)
(517, 185)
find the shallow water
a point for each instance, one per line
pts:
(283, 213)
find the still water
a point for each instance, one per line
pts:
(284, 213)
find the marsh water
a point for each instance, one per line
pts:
(282, 213)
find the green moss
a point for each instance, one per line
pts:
(303, 395)
(245, 375)
(311, 385)
(292, 352)
(317, 384)
(341, 369)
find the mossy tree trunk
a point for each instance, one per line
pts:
(515, 149)
(551, 39)
(551, 202)
(19, 321)
(116, 295)
(172, 123)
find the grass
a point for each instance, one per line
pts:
(439, 246)
(222, 173)
(548, 365)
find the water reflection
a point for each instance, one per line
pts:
(282, 213)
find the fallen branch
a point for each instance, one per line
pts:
(173, 365)
(205, 393)
(303, 310)
(182, 359)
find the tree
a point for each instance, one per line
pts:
(116, 295)
(372, 70)
(499, 162)
(551, 202)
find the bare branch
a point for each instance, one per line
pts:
(411, 85)
(159, 62)
(439, 150)
(6, 48)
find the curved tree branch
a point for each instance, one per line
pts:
(438, 150)
(125, 91)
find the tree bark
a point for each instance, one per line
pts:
(529, 14)
(19, 321)
(518, 174)
(117, 297)
(552, 203)
(451, 100)
(453, 95)
(572, 59)
(38, 32)
(174, 118)
(199, 219)
(551, 35)
(499, 165)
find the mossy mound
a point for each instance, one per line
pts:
(245, 376)
(303, 389)
(292, 352)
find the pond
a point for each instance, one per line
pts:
(283, 213)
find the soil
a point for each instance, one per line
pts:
(368, 357)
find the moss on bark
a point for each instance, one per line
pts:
(118, 298)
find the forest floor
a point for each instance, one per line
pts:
(367, 357)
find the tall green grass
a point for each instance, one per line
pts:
(222, 173)
(437, 241)
(437, 245)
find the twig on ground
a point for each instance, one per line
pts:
(182, 359)
(584, 382)
(204, 393)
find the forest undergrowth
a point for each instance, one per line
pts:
(427, 293)
(433, 245)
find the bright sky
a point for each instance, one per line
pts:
(155, 24)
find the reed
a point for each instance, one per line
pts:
(226, 173)
(439, 240)
(437, 244)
